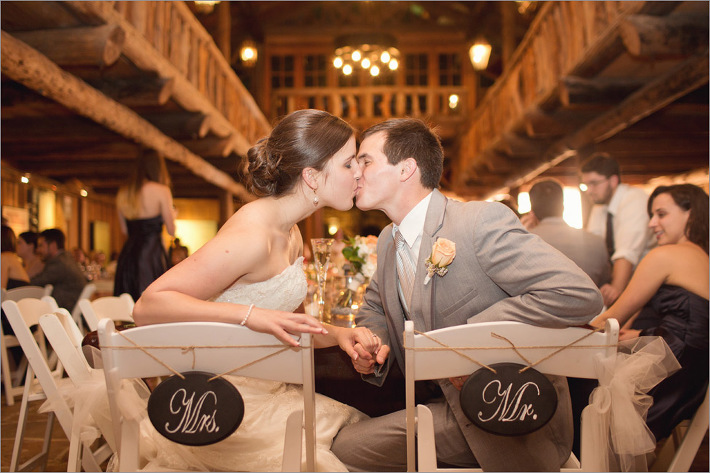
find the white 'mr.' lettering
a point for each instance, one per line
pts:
(507, 409)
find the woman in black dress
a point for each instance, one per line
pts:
(670, 288)
(144, 206)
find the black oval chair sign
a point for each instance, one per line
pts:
(195, 411)
(508, 402)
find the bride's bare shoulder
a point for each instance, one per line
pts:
(254, 217)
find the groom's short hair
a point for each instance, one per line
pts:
(412, 138)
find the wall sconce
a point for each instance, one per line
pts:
(480, 53)
(205, 7)
(248, 53)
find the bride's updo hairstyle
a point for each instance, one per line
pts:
(304, 138)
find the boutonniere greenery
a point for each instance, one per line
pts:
(443, 253)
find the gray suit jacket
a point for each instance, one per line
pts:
(586, 249)
(500, 272)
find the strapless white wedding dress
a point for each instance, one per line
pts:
(257, 445)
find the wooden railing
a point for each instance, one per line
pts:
(364, 105)
(191, 54)
(562, 35)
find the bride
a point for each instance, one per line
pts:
(251, 274)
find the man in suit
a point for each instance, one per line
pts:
(499, 272)
(586, 249)
(60, 269)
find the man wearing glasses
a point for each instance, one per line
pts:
(620, 217)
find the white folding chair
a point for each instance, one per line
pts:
(117, 308)
(215, 348)
(24, 292)
(12, 378)
(65, 338)
(23, 315)
(679, 450)
(86, 293)
(423, 363)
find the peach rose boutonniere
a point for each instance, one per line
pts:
(443, 253)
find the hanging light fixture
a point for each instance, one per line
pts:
(205, 6)
(248, 53)
(376, 53)
(480, 53)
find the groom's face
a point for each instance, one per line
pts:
(379, 179)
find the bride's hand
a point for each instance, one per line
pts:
(367, 340)
(281, 324)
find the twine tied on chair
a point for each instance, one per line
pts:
(191, 349)
(516, 349)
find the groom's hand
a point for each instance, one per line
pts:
(367, 364)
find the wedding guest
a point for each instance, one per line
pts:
(587, 250)
(496, 271)
(670, 288)
(619, 216)
(13, 272)
(60, 269)
(251, 274)
(144, 205)
(27, 250)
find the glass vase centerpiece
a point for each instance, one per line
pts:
(361, 255)
(321, 258)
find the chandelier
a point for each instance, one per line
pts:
(376, 53)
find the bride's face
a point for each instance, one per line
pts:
(341, 175)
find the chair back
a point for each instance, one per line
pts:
(22, 315)
(86, 293)
(429, 356)
(24, 292)
(65, 338)
(215, 348)
(117, 308)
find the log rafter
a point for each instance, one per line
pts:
(27, 66)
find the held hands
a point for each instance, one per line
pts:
(281, 324)
(364, 348)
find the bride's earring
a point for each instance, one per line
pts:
(315, 198)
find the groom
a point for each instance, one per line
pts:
(499, 272)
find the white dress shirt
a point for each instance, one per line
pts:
(411, 228)
(632, 237)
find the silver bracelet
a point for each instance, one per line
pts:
(244, 322)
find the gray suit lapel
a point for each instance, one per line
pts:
(422, 308)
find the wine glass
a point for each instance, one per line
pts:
(321, 257)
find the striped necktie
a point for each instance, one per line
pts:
(405, 268)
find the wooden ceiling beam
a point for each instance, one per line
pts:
(181, 125)
(579, 90)
(132, 92)
(29, 67)
(81, 46)
(83, 151)
(687, 76)
(672, 36)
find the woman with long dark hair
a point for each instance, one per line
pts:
(670, 289)
(144, 206)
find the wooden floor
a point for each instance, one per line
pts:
(59, 449)
(34, 435)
